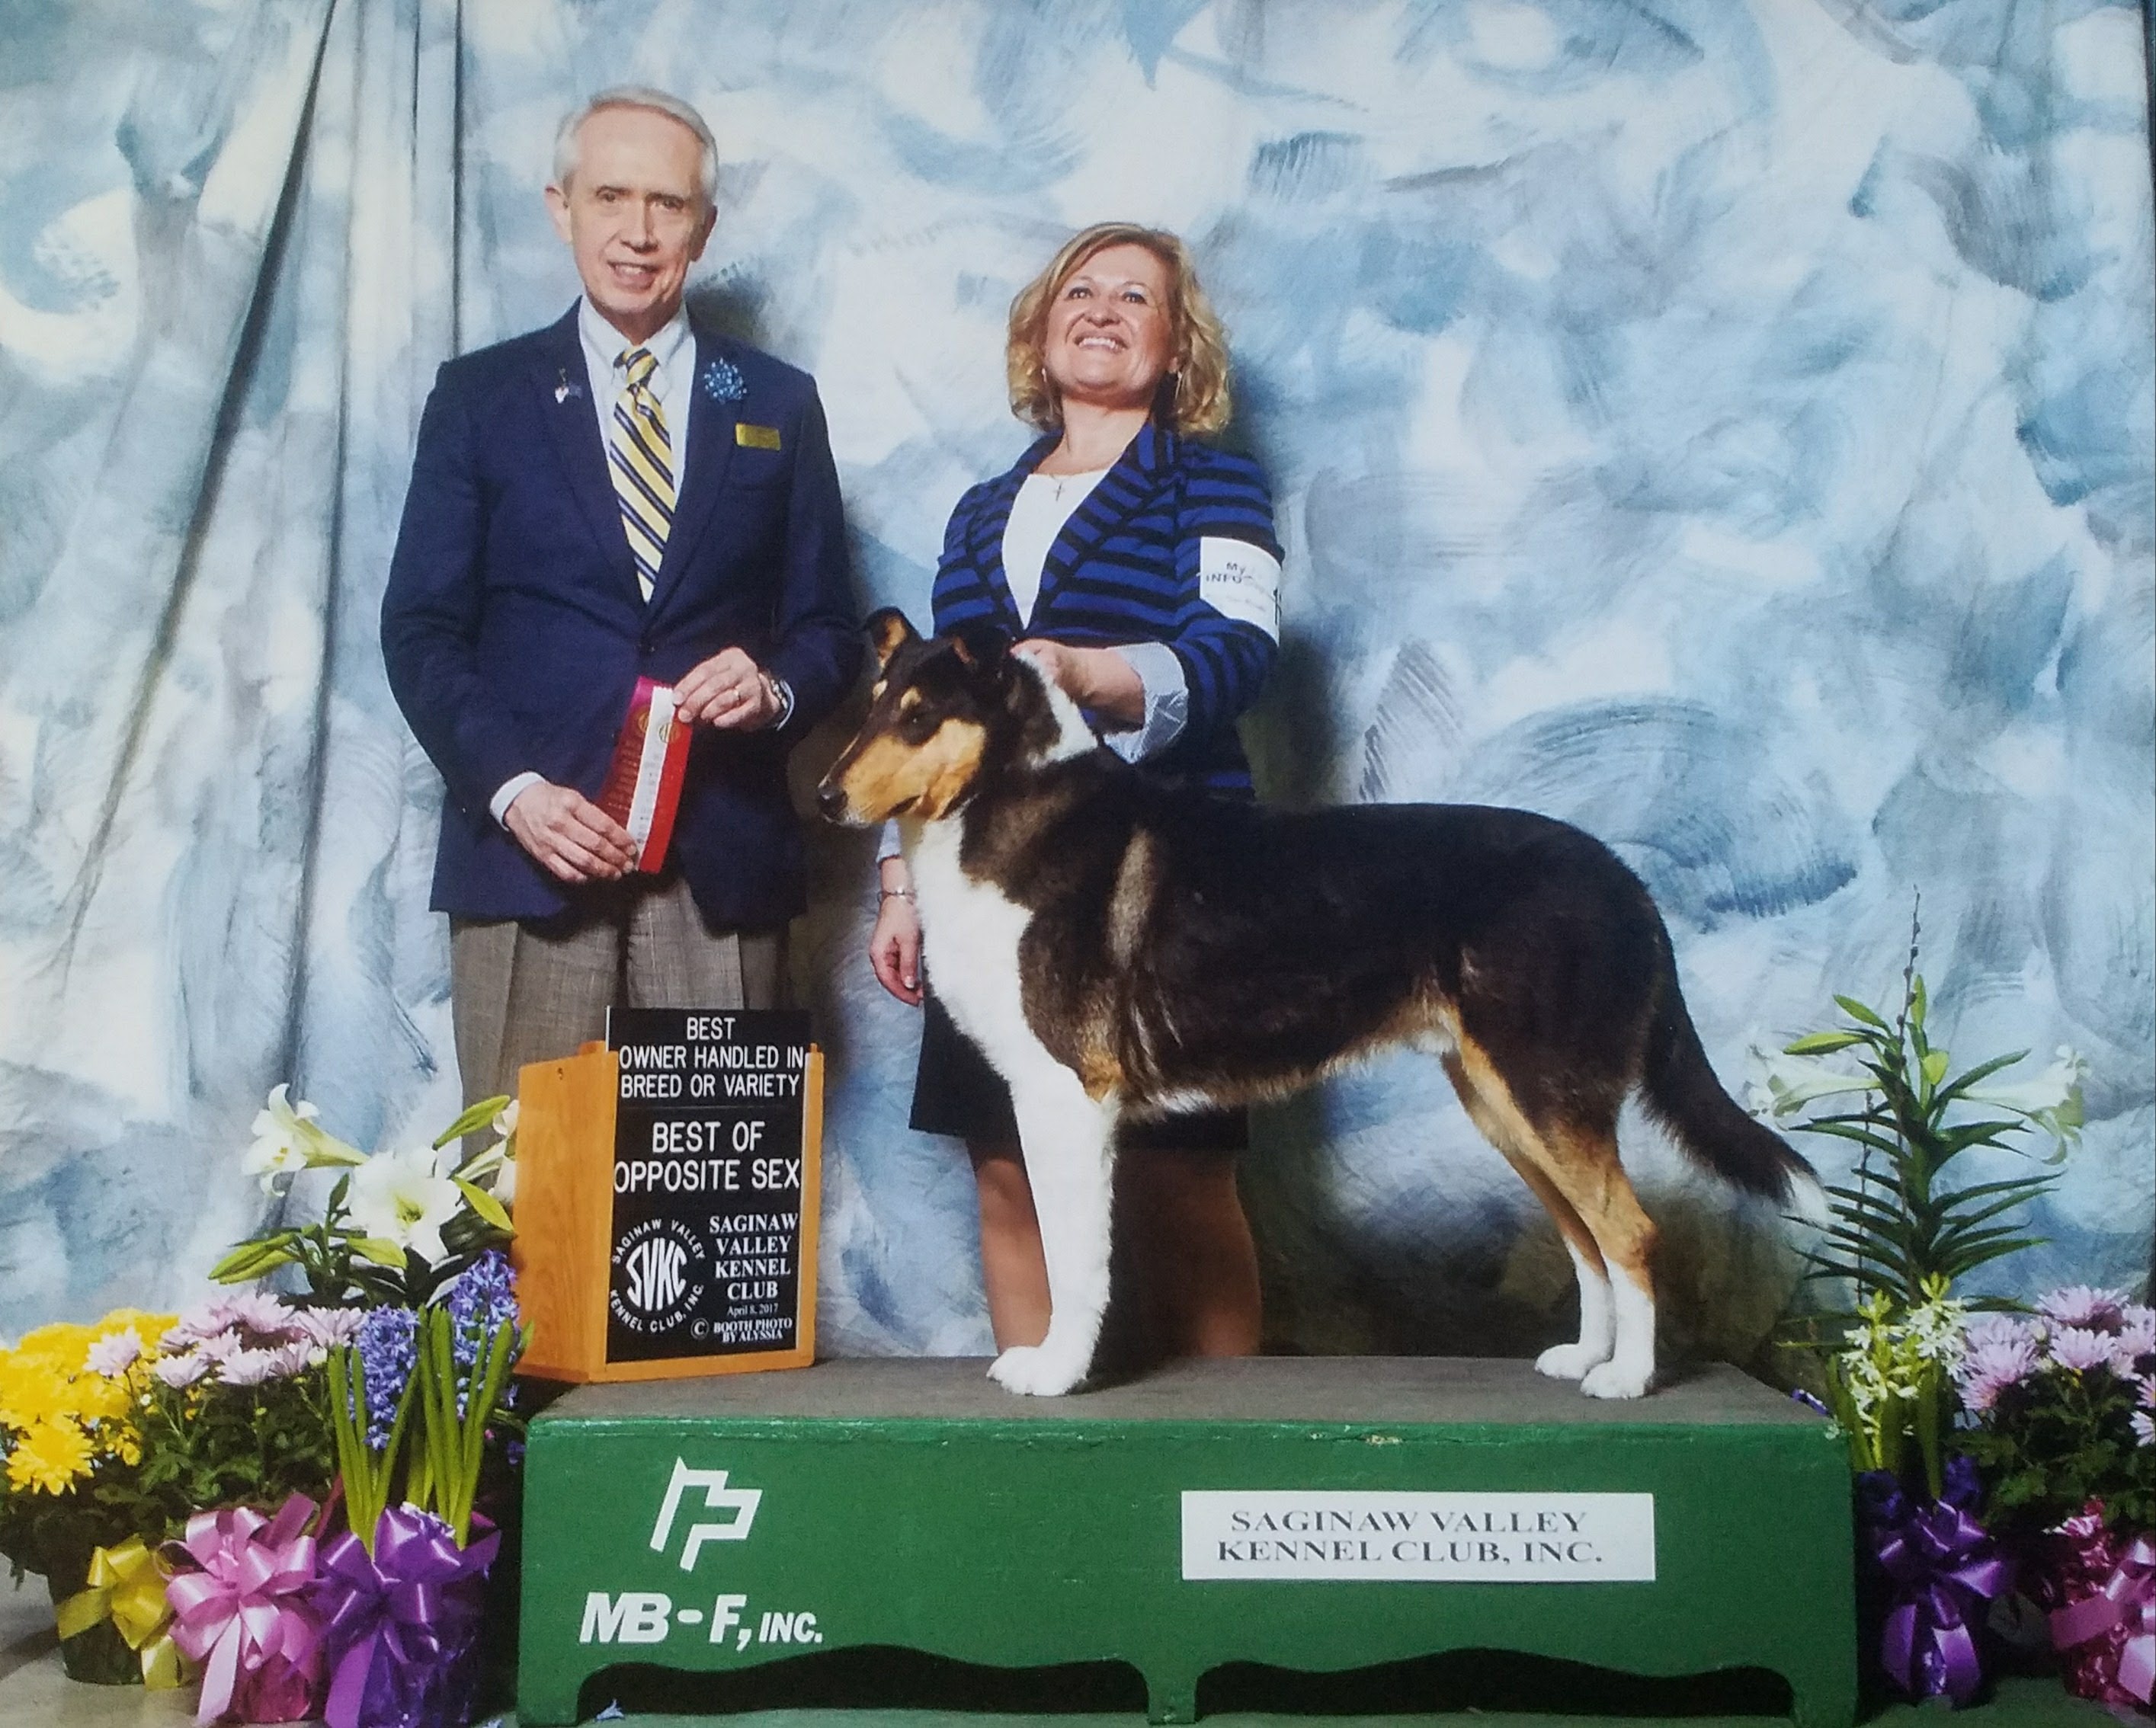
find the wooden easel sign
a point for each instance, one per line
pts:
(667, 1187)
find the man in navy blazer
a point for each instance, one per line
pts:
(620, 495)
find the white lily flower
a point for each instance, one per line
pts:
(287, 1139)
(2052, 1099)
(277, 1126)
(1780, 1083)
(505, 1124)
(405, 1197)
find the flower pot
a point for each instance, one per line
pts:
(390, 1666)
(97, 1656)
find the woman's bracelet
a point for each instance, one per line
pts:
(893, 894)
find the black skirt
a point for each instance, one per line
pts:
(956, 1092)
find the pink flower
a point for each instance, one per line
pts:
(2081, 1348)
(115, 1355)
(217, 1346)
(183, 1370)
(2080, 1305)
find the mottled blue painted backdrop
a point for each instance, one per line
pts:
(1725, 425)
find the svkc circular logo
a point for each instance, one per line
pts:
(657, 1267)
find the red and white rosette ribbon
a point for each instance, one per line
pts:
(643, 781)
(245, 1609)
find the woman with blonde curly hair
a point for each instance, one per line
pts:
(1137, 566)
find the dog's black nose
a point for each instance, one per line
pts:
(831, 801)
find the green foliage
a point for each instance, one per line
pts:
(1899, 1224)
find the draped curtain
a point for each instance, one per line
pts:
(1724, 425)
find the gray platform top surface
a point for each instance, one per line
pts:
(1404, 1390)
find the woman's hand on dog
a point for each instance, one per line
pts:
(894, 944)
(1098, 680)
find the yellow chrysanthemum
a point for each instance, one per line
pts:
(33, 1389)
(150, 1327)
(65, 1345)
(50, 1456)
(98, 1399)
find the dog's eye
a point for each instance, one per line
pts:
(917, 726)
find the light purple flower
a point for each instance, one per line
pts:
(248, 1368)
(1986, 1330)
(217, 1346)
(259, 1311)
(183, 1370)
(1993, 1363)
(2081, 1348)
(2136, 1338)
(2144, 1427)
(114, 1356)
(328, 1326)
(2079, 1305)
(206, 1319)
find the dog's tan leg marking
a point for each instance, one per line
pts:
(1582, 1164)
(1501, 1126)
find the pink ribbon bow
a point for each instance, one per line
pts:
(242, 1615)
(2128, 1599)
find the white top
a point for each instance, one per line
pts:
(1044, 504)
(674, 382)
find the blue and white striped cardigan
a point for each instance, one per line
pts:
(1126, 569)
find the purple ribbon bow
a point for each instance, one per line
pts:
(2126, 1598)
(241, 1615)
(1945, 1570)
(397, 1619)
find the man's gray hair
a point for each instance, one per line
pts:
(639, 96)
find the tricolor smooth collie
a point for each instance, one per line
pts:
(1116, 949)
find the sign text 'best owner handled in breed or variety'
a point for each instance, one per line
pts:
(707, 1181)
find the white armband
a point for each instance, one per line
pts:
(1240, 581)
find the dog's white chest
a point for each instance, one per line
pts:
(970, 933)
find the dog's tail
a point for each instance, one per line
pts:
(1711, 1127)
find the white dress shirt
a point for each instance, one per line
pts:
(674, 383)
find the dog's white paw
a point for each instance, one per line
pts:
(1617, 1380)
(1570, 1362)
(1034, 1371)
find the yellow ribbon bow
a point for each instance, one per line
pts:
(127, 1587)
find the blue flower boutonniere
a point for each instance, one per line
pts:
(722, 381)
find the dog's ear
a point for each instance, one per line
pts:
(888, 631)
(981, 648)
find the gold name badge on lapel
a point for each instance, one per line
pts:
(755, 438)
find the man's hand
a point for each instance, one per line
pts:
(569, 834)
(728, 691)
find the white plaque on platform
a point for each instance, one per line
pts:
(1410, 1537)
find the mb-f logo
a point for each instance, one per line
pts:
(647, 1616)
(741, 1502)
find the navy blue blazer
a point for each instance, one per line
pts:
(1127, 568)
(514, 633)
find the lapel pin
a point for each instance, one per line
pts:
(564, 390)
(722, 381)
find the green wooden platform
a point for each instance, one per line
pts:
(716, 1527)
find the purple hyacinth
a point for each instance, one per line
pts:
(481, 1302)
(386, 1354)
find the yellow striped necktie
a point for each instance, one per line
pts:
(641, 457)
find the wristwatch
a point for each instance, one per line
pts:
(780, 694)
